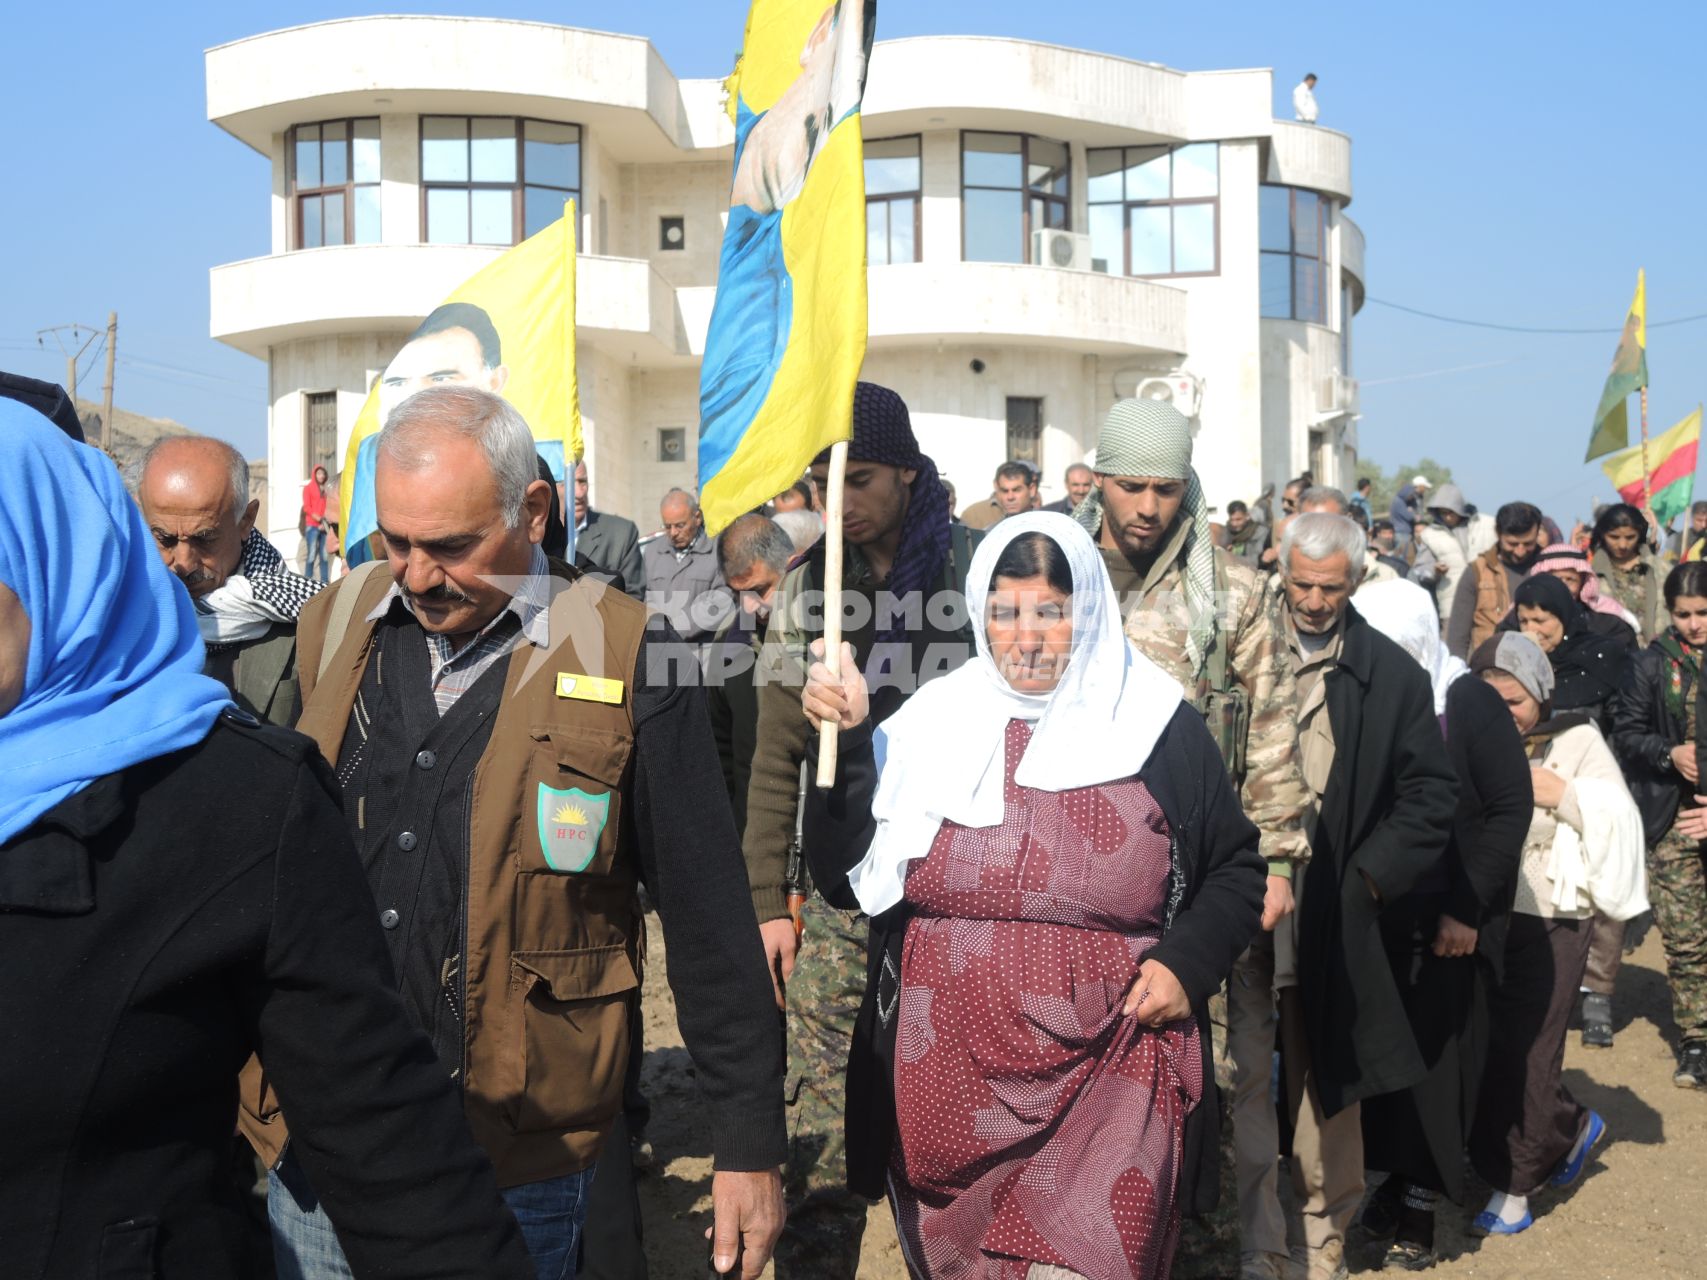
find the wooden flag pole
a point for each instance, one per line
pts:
(832, 602)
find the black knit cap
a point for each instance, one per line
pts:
(882, 429)
(883, 433)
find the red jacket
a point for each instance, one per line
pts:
(313, 504)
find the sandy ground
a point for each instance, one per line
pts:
(1639, 1211)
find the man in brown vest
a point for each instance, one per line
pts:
(1484, 592)
(518, 750)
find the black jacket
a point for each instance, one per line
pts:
(1214, 910)
(1644, 730)
(1496, 800)
(1386, 815)
(156, 928)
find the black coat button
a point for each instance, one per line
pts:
(426, 760)
(407, 841)
(389, 919)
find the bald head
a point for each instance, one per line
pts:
(194, 495)
(681, 518)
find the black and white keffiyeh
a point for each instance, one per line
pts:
(261, 594)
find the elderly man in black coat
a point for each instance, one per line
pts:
(1386, 794)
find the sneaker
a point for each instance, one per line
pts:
(1691, 1066)
(1491, 1224)
(1597, 1021)
(1571, 1167)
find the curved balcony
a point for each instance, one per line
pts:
(1307, 155)
(617, 84)
(982, 82)
(999, 303)
(1351, 255)
(260, 302)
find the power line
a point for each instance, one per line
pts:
(1521, 328)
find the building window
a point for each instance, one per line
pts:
(672, 234)
(496, 180)
(1293, 233)
(1155, 211)
(1025, 428)
(1012, 185)
(892, 191)
(319, 431)
(334, 182)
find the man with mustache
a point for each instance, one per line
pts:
(518, 749)
(1483, 596)
(194, 495)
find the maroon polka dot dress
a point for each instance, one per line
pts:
(1037, 1123)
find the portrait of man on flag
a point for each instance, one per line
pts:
(508, 329)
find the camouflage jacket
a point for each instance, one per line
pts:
(1248, 620)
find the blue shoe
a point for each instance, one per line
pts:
(1570, 1170)
(1491, 1224)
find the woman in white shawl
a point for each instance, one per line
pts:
(1059, 876)
(1584, 852)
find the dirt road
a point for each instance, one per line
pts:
(1640, 1211)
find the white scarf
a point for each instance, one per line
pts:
(259, 595)
(1403, 612)
(941, 757)
(234, 614)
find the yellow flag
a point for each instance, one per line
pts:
(508, 328)
(788, 328)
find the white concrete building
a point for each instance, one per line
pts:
(1049, 230)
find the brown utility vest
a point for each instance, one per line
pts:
(1493, 596)
(552, 958)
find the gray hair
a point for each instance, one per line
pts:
(237, 468)
(751, 540)
(487, 419)
(802, 527)
(1321, 495)
(1320, 535)
(684, 495)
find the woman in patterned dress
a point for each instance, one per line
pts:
(1058, 876)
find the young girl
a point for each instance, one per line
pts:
(1655, 727)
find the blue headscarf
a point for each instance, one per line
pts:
(113, 675)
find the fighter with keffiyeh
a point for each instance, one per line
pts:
(904, 610)
(1213, 623)
(194, 495)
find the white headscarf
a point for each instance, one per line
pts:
(940, 758)
(1403, 612)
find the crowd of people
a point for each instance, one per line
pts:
(362, 868)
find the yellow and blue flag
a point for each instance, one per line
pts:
(508, 328)
(788, 328)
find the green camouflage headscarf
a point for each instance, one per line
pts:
(1152, 438)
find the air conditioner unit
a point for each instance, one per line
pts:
(1182, 390)
(1066, 250)
(1336, 394)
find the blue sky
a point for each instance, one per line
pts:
(1513, 163)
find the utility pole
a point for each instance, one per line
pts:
(72, 356)
(107, 386)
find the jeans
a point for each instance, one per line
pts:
(305, 1247)
(315, 537)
